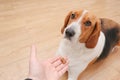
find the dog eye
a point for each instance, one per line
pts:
(87, 23)
(72, 16)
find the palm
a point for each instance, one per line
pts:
(50, 69)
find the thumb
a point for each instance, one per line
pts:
(33, 62)
(33, 53)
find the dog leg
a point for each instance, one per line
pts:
(73, 76)
(75, 71)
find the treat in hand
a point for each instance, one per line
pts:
(63, 60)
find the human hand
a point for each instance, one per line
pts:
(51, 69)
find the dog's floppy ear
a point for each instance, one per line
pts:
(66, 21)
(93, 39)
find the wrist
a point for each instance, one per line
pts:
(36, 77)
(32, 78)
(28, 79)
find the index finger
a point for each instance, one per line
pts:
(52, 60)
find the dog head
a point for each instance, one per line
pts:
(83, 27)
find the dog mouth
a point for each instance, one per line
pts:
(68, 38)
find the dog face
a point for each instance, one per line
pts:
(83, 27)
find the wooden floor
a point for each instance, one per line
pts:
(27, 22)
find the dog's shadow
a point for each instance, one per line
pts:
(102, 70)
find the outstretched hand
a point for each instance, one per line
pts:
(51, 69)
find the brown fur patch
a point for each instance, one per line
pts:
(66, 21)
(108, 24)
(90, 34)
(87, 30)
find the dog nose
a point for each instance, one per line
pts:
(69, 32)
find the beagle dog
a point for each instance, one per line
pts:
(86, 38)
